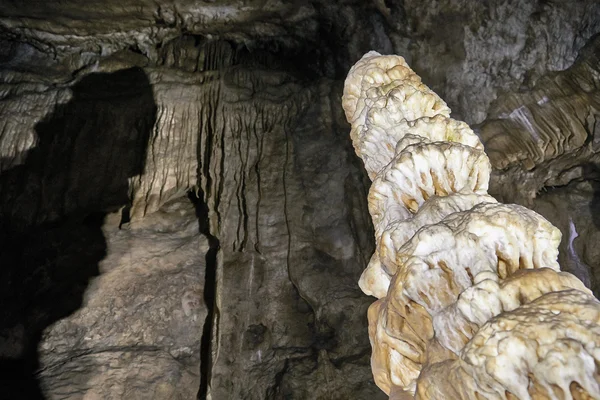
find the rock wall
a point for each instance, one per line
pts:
(543, 144)
(288, 228)
(281, 197)
(471, 53)
(136, 335)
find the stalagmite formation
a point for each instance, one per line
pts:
(472, 303)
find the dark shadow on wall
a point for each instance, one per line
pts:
(52, 208)
(210, 283)
(591, 173)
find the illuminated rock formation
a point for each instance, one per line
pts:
(472, 303)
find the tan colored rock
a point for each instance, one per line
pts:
(421, 171)
(378, 142)
(399, 333)
(373, 71)
(472, 306)
(376, 277)
(455, 325)
(381, 92)
(442, 260)
(440, 263)
(547, 349)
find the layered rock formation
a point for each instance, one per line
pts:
(475, 307)
(546, 139)
(261, 146)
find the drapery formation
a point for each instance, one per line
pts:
(471, 300)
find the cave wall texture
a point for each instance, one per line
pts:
(182, 211)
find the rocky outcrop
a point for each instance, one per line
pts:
(136, 335)
(264, 149)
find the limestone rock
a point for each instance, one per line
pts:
(471, 53)
(137, 332)
(530, 336)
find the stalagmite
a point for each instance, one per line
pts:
(472, 303)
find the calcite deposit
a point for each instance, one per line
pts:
(471, 301)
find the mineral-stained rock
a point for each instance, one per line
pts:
(523, 340)
(544, 349)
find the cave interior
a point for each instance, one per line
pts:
(182, 213)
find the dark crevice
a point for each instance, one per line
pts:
(275, 391)
(259, 149)
(205, 149)
(287, 220)
(209, 291)
(222, 157)
(125, 216)
(244, 202)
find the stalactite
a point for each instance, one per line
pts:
(471, 301)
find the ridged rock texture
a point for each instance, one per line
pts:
(475, 307)
(547, 139)
(252, 136)
(118, 119)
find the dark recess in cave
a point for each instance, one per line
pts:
(52, 208)
(209, 291)
(591, 172)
